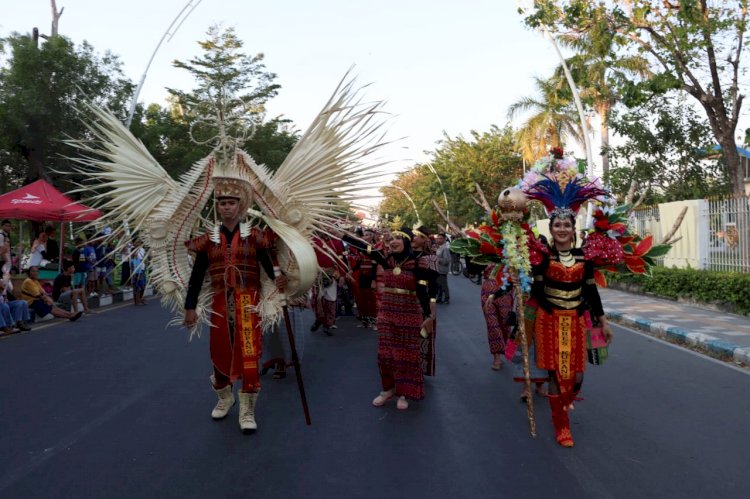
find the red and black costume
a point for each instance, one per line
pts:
(403, 305)
(363, 276)
(234, 265)
(563, 291)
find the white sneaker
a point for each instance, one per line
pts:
(226, 401)
(247, 412)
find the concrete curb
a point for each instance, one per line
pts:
(712, 346)
(119, 296)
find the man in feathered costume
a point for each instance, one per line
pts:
(234, 262)
(249, 249)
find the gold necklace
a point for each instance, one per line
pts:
(397, 266)
(566, 258)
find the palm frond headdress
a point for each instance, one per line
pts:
(320, 177)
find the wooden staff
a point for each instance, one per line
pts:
(518, 305)
(295, 358)
(513, 203)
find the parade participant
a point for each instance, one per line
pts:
(362, 279)
(330, 253)
(497, 306)
(276, 348)
(234, 263)
(404, 312)
(303, 197)
(564, 288)
(428, 262)
(444, 264)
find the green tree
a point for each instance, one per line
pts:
(671, 158)
(553, 119)
(694, 46)
(40, 87)
(598, 74)
(489, 159)
(230, 83)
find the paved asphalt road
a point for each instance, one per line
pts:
(118, 406)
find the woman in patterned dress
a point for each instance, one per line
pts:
(497, 312)
(404, 317)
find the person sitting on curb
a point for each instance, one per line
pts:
(63, 293)
(17, 310)
(39, 301)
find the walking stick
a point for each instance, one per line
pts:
(518, 303)
(295, 358)
(513, 204)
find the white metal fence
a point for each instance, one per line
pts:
(728, 233)
(719, 232)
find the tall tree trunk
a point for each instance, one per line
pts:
(734, 167)
(603, 112)
(55, 17)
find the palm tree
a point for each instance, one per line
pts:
(598, 74)
(553, 119)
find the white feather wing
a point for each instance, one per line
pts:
(136, 194)
(332, 162)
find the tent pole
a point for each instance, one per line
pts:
(62, 247)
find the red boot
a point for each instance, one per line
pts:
(560, 421)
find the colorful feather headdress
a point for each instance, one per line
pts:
(560, 184)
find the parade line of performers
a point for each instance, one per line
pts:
(394, 278)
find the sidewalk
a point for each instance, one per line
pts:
(720, 334)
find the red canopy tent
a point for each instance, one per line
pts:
(41, 202)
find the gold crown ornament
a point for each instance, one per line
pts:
(231, 180)
(397, 228)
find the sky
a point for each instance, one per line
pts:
(442, 66)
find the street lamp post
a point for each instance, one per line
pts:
(184, 13)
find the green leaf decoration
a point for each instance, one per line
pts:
(465, 246)
(659, 250)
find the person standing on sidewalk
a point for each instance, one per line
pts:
(5, 244)
(138, 276)
(444, 265)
